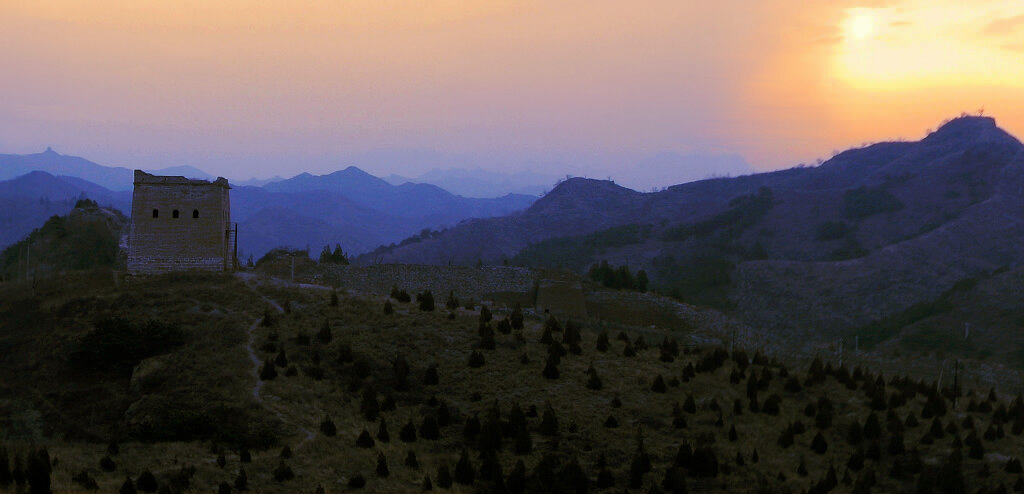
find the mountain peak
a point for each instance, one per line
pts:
(968, 128)
(50, 152)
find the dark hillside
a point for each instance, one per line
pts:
(86, 238)
(868, 233)
(211, 375)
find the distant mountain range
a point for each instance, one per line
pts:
(349, 207)
(481, 183)
(867, 234)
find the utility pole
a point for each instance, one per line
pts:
(293, 269)
(956, 381)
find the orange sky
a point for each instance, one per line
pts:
(262, 87)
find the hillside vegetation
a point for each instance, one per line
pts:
(85, 238)
(301, 388)
(818, 253)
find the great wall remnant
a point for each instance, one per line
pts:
(181, 224)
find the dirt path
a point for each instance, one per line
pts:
(257, 388)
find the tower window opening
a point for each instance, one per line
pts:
(174, 214)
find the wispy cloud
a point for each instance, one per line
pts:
(1005, 26)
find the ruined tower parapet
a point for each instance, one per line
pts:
(180, 224)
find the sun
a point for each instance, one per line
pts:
(860, 26)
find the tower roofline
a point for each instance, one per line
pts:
(142, 177)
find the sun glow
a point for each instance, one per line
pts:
(860, 26)
(924, 46)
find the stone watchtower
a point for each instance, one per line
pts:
(180, 224)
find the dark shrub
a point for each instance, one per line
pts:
(464, 471)
(408, 432)
(426, 301)
(146, 482)
(283, 472)
(444, 478)
(476, 359)
(107, 464)
(364, 440)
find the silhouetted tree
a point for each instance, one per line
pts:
(128, 487)
(605, 478)
(464, 471)
(659, 385)
(593, 381)
(364, 440)
(516, 317)
(429, 429)
(444, 477)
(426, 300)
(38, 471)
(551, 366)
(516, 482)
(549, 422)
(324, 335)
(107, 464)
(818, 444)
(411, 461)
(357, 481)
(5, 468)
(267, 371)
(241, 481)
(476, 359)
(408, 432)
(382, 466)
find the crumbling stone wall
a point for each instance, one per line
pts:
(197, 238)
(484, 282)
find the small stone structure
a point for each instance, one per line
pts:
(180, 224)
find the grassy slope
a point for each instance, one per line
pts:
(217, 312)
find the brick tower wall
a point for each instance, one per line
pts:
(166, 243)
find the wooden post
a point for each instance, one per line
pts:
(956, 380)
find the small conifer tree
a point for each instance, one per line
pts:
(128, 487)
(241, 481)
(464, 471)
(444, 477)
(327, 427)
(516, 317)
(364, 440)
(408, 432)
(324, 335)
(426, 301)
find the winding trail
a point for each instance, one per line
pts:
(258, 386)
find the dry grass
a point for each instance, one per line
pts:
(219, 311)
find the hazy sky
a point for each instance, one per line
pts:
(591, 87)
